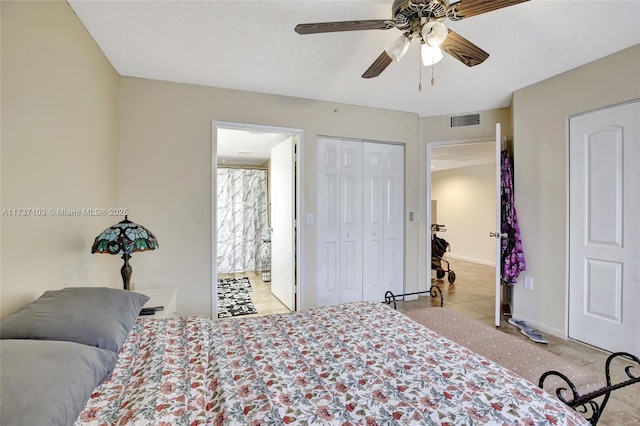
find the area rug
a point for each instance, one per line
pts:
(233, 297)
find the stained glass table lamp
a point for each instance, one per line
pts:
(124, 238)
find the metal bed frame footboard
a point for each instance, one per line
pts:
(586, 404)
(434, 291)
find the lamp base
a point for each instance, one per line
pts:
(126, 271)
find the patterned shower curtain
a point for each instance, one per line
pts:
(512, 259)
(243, 220)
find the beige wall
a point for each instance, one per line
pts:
(540, 114)
(467, 206)
(437, 129)
(59, 141)
(165, 160)
(75, 135)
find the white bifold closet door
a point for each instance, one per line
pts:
(383, 211)
(339, 220)
(359, 220)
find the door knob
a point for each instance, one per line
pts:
(497, 235)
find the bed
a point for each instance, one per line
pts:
(358, 363)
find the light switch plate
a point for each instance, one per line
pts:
(528, 283)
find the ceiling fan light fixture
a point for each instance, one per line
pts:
(434, 33)
(398, 47)
(430, 54)
(419, 19)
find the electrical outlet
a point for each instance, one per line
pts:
(528, 283)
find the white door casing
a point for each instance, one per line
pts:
(383, 213)
(283, 222)
(498, 220)
(604, 228)
(299, 202)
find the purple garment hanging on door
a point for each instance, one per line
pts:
(512, 259)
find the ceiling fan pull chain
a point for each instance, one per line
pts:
(433, 79)
(420, 69)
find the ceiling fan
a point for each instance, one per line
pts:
(420, 19)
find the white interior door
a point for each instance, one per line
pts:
(383, 212)
(604, 224)
(283, 223)
(498, 234)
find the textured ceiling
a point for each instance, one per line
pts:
(446, 157)
(245, 147)
(251, 45)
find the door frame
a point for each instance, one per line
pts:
(429, 145)
(299, 202)
(568, 251)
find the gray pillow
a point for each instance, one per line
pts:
(48, 383)
(96, 316)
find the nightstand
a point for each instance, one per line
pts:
(160, 297)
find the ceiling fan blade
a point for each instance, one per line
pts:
(467, 8)
(330, 27)
(463, 50)
(378, 66)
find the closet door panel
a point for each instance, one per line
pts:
(375, 271)
(373, 226)
(392, 270)
(394, 219)
(348, 268)
(351, 221)
(383, 227)
(328, 222)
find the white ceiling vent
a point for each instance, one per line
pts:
(465, 120)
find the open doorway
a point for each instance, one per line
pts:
(463, 199)
(254, 206)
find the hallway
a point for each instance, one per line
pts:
(472, 294)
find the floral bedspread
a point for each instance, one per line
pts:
(360, 363)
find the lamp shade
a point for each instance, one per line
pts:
(398, 47)
(430, 54)
(124, 237)
(434, 33)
